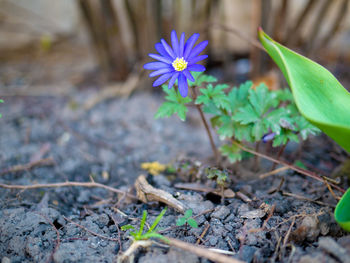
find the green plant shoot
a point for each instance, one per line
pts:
(187, 219)
(152, 232)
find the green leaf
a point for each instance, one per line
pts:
(201, 78)
(175, 104)
(246, 115)
(156, 221)
(342, 211)
(188, 213)
(193, 223)
(238, 97)
(143, 221)
(154, 235)
(320, 98)
(300, 164)
(262, 99)
(305, 128)
(181, 221)
(232, 152)
(227, 127)
(127, 227)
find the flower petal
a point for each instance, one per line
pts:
(160, 58)
(160, 72)
(182, 45)
(168, 48)
(183, 86)
(161, 50)
(196, 59)
(188, 75)
(173, 79)
(162, 79)
(189, 44)
(196, 67)
(155, 65)
(198, 49)
(175, 43)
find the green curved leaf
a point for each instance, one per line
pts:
(342, 211)
(320, 98)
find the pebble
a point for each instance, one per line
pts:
(221, 212)
(257, 213)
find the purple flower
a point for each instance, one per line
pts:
(268, 137)
(176, 63)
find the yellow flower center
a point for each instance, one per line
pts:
(179, 64)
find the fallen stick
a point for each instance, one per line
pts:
(66, 184)
(202, 252)
(28, 166)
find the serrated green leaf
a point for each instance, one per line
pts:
(305, 128)
(246, 115)
(181, 221)
(320, 98)
(238, 97)
(262, 99)
(175, 104)
(188, 213)
(232, 152)
(201, 78)
(227, 127)
(193, 223)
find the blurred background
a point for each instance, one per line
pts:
(50, 47)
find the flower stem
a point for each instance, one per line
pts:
(279, 154)
(212, 144)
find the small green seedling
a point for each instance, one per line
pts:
(218, 175)
(152, 231)
(187, 219)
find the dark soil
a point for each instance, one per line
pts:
(289, 222)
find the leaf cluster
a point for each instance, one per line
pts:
(246, 113)
(219, 175)
(152, 232)
(175, 103)
(187, 219)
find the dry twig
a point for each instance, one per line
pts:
(26, 167)
(66, 184)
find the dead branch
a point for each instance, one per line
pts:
(26, 167)
(66, 184)
(147, 193)
(202, 252)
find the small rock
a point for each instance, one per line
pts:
(161, 180)
(308, 229)
(102, 220)
(247, 253)
(213, 240)
(221, 212)
(257, 213)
